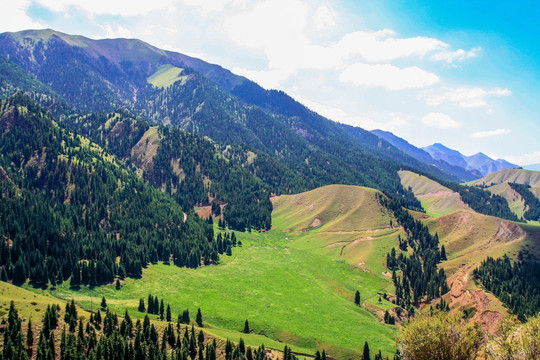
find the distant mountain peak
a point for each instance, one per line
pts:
(479, 161)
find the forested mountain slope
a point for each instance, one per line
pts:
(296, 149)
(69, 209)
(207, 100)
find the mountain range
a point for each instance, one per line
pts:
(467, 168)
(127, 171)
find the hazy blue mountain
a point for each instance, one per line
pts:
(423, 156)
(480, 162)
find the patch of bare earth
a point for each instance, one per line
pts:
(462, 298)
(315, 223)
(203, 211)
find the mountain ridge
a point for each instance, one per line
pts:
(479, 161)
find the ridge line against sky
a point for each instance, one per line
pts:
(464, 74)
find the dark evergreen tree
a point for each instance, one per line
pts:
(365, 353)
(141, 307)
(199, 319)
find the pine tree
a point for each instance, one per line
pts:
(443, 253)
(162, 310)
(246, 327)
(29, 335)
(365, 355)
(118, 285)
(103, 302)
(185, 317)
(198, 319)
(357, 298)
(169, 315)
(141, 305)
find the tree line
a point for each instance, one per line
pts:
(532, 204)
(68, 209)
(415, 277)
(516, 284)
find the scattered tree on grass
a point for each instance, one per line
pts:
(198, 319)
(365, 353)
(357, 298)
(141, 307)
(246, 327)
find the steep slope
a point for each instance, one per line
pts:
(97, 74)
(436, 199)
(469, 239)
(425, 157)
(73, 211)
(112, 73)
(193, 170)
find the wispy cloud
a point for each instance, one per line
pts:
(489, 133)
(458, 55)
(388, 76)
(472, 97)
(101, 7)
(524, 159)
(440, 120)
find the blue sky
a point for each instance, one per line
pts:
(462, 73)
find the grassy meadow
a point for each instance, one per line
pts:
(295, 284)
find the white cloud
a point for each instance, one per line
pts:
(116, 31)
(285, 44)
(378, 46)
(440, 120)
(268, 79)
(523, 159)
(473, 97)
(489, 133)
(115, 7)
(457, 55)
(324, 18)
(13, 16)
(388, 76)
(339, 115)
(206, 7)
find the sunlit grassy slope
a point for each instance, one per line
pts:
(519, 176)
(295, 284)
(436, 199)
(497, 183)
(469, 238)
(166, 75)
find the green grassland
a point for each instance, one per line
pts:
(497, 183)
(291, 283)
(166, 75)
(515, 201)
(436, 199)
(519, 176)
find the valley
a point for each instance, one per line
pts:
(155, 173)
